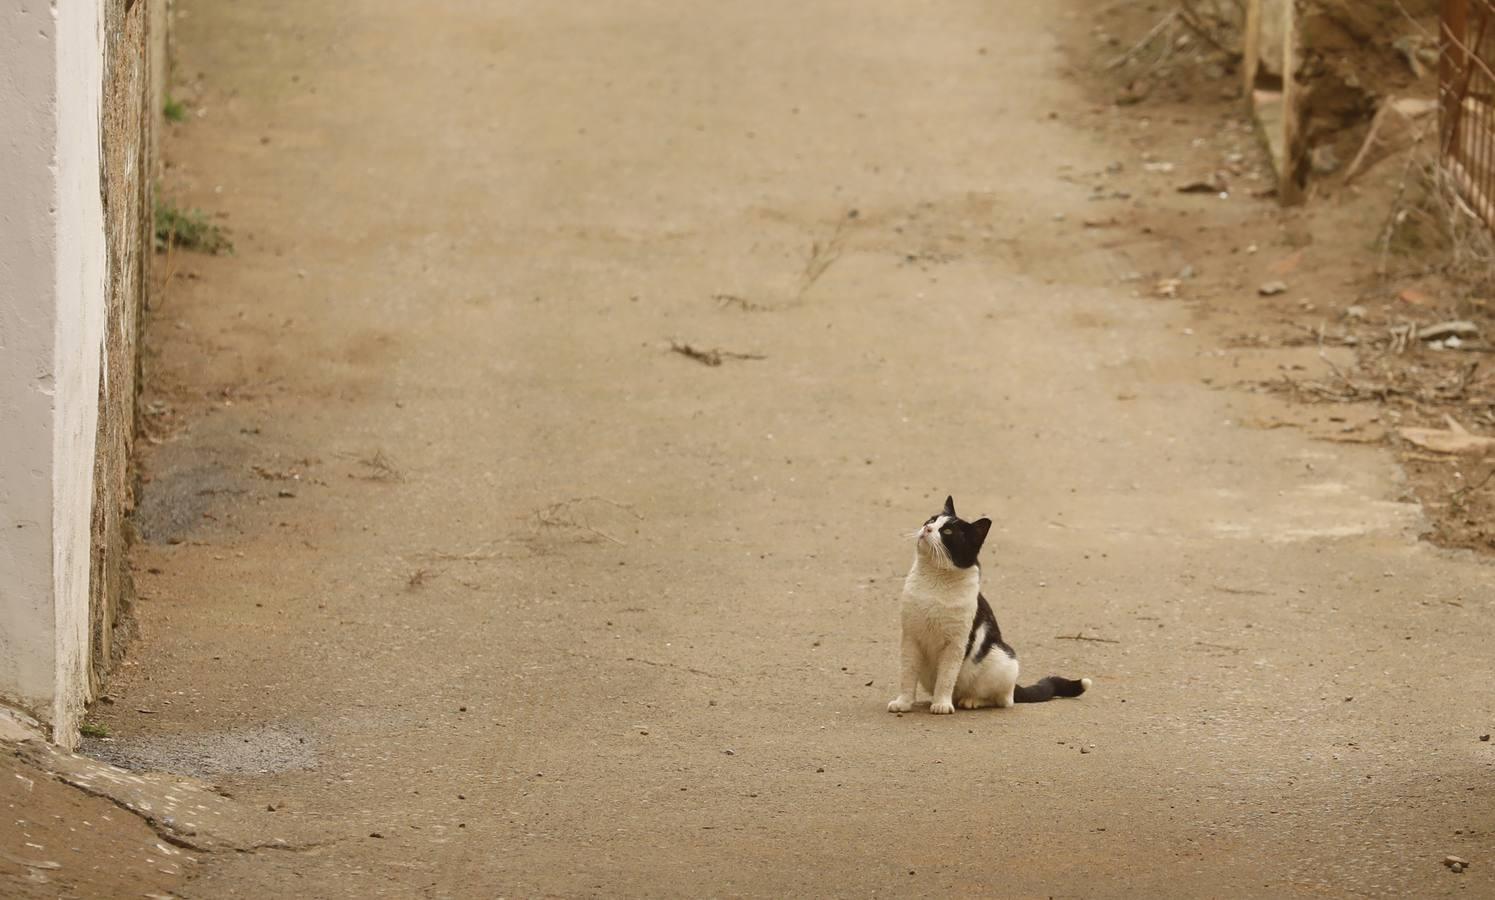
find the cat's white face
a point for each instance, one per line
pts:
(929, 535)
(929, 541)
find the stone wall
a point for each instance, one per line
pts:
(134, 35)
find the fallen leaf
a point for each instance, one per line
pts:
(1287, 264)
(1453, 439)
(1211, 185)
(1442, 330)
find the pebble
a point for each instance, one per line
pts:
(1354, 312)
(1457, 863)
(1272, 288)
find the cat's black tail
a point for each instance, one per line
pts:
(1049, 688)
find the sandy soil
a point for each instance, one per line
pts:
(497, 594)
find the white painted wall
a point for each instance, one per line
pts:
(52, 303)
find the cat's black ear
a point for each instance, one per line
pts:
(949, 506)
(976, 533)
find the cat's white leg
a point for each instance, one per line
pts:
(908, 682)
(946, 670)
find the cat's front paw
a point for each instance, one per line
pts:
(900, 705)
(942, 707)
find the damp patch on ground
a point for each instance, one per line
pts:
(265, 750)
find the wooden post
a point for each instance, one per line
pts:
(1453, 71)
(1251, 51)
(1294, 154)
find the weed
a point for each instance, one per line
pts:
(175, 110)
(93, 730)
(188, 229)
(379, 467)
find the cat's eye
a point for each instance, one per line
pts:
(944, 531)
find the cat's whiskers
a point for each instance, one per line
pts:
(941, 552)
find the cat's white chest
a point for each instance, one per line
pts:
(939, 607)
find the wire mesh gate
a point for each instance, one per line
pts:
(1466, 99)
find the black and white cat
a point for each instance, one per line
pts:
(951, 643)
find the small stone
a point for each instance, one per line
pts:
(285, 494)
(1323, 159)
(1084, 749)
(1354, 312)
(1272, 288)
(1484, 737)
(730, 752)
(1452, 861)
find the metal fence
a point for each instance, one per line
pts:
(1466, 99)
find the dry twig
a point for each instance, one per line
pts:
(712, 357)
(1146, 41)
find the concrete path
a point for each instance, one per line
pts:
(451, 559)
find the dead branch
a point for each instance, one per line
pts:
(1147, 39)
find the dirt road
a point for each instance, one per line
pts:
(454, 563)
